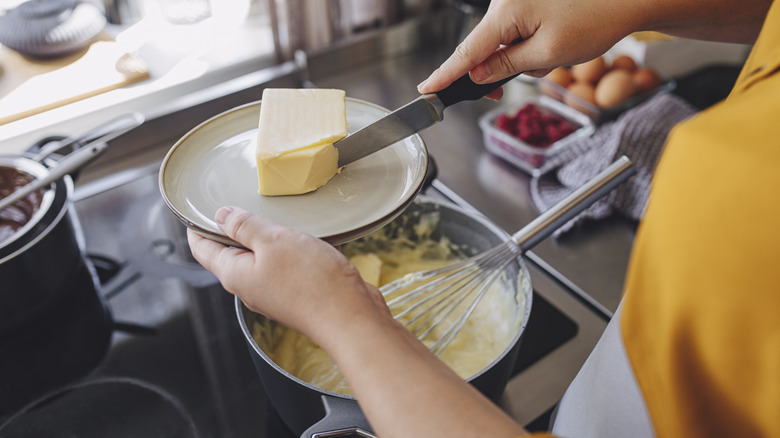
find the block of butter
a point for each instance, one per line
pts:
(296, 132)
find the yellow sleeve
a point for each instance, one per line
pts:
(700, 319)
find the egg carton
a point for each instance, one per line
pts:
(596, 113)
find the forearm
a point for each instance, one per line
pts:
(712, 20)
(395, 377)
(535, 36)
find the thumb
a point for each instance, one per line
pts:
(475, 48)
(242, 226)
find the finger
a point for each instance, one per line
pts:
(212, 255)
(508, 61)
(204, 250)
(475, 48)
(497, 66)
(245, 228)
(540, 73)
(538, 54)
(496, 94)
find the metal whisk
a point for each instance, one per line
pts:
(426, 300)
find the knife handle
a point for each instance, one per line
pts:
(466, 89)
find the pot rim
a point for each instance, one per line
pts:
(526, 291)
(37, 170)
(240, 308)
(61, 192)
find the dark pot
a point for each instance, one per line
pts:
(59, 345)
(307, 409)
(41, 257)
(54, 325)
(37, 261)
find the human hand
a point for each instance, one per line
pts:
(533, 36)
(310, 286)
(290, 277)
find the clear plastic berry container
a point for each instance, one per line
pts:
(530, 155)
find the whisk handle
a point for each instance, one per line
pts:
(574, 203)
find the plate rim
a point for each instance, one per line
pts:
(333, 239)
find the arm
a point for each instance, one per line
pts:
(535, 36)
(393, 375)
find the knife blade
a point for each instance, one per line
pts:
(411, 118)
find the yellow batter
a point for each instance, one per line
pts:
(389, 254)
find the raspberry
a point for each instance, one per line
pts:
(506, 124)
(534, 126)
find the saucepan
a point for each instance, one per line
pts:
(311, 411)
(41, 249)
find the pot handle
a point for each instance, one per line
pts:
(105, 133)
(70, 163)
(343, 418)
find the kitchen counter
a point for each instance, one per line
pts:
(187, 64)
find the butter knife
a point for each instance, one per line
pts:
(411, 118)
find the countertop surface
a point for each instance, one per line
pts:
(181, 61)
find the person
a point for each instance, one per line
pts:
(694, 348)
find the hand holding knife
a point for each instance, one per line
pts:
(411, 118)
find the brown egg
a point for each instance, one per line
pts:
(590, 71)
(615, 87)
(559, 76)
(646, 79)
(578, 92)
(624, 62)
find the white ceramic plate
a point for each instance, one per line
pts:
(214, 165)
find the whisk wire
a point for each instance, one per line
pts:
(446, 338)
(457, 293)
(426, 300)
(441, 292)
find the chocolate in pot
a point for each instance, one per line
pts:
(17, 215)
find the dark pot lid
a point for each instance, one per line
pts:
(50, 27)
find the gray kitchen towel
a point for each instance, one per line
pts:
(639, 133)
